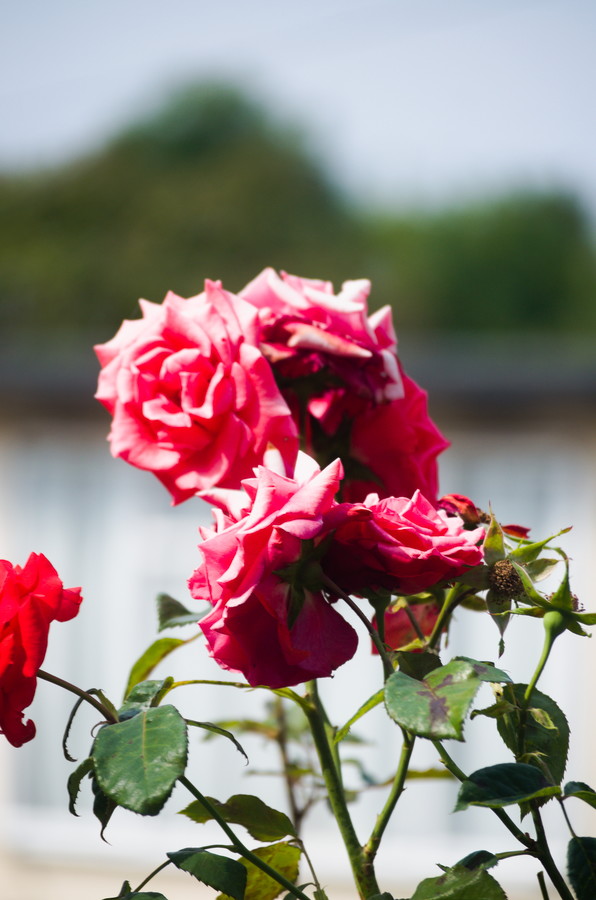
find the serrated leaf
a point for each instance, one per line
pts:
(503, 785)
(501, 708)
(581, 790)
(479, 859)
(581, 866)
(460, 883)
(542, 718)
(74, 783)
(436, 706)
(214, 870)
(485, 671)
(173, 614)
(550, 741)
(261, 821)
(417, 664)
(148, 660)
(282, 857)
(137, 762)
(369, 704)
(143, 695)
(103, 807)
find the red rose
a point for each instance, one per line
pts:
(405, 546)
(398, 443)
(399, 631)
(30, 599)
(192, 397)
(277, 632)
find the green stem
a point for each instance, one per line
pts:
(372, 845)
(542, 886)
(152, 875)
(237, 844)
(450, 603)
(321, 731)
(84, 695)
(379, 644)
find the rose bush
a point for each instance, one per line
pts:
(270, 619)
(400, 544)
(30, 599)
(338, 369)
(192, 397)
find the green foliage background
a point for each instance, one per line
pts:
(210, 186)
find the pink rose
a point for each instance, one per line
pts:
(192, 397)
(338, 370)
(309, 332)
(398, 444)
(275, 631)
(31, 598)
(402, 545)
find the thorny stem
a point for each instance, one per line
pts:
(237, 844)
(84, 695)
(322, 733)
(335, 589)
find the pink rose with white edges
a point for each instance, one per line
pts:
(192, 397)
(400, 544)
(260, 625)
(339, 372)
(307, 330)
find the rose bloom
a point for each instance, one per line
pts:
(274, 632)
(399, 631)
(30, 599)
(403, 545)
(361, 405)
(192, 397)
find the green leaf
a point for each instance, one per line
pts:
(135, 895)
(546, 731)
(217, 729)
(173, 614)
(460, 883)
(485, 671)
(282, 857)
(437, 706)
(214, 870)
(494, 543)
(504, 784)
(103, 807)
(146, 663)
(261, 821)
(143, 695)
(417, 664)
(581, 866)
(541, 568)
(74, 783)
(479, 859)
(138, 761)
(366, 707)
(580, 790)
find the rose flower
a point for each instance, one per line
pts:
(270, 619)
(338, 370)
(30, 599)
(192, 397)
(402, 545)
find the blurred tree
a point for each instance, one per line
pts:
(207, 187)
(210, 186)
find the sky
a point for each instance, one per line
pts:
(409, 101)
